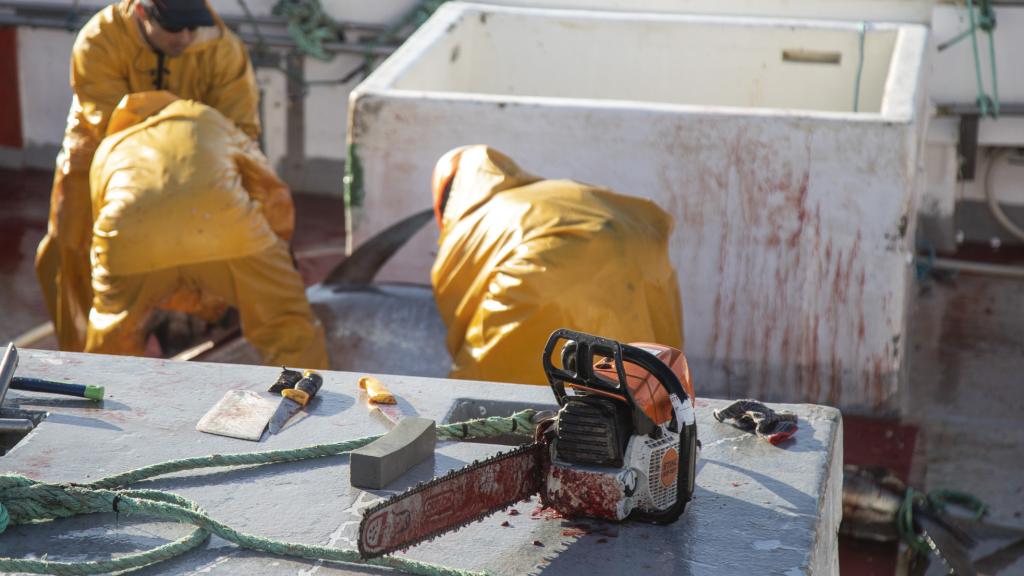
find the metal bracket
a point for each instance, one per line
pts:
(7, 367)
(295, 132)
(967, 146)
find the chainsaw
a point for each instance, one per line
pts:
(623, 446)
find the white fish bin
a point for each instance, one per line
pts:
(786, 150)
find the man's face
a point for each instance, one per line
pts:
(171, 43)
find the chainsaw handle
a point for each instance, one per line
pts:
(578, 357)
(580, 350)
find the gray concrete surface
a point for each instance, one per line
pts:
(758, 509)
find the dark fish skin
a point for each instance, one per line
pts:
(871, 498)
(362, 266)
(381, 328)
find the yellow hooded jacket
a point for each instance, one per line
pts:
(520, 257)
(176, 183)
(187, 210)
(111, 59)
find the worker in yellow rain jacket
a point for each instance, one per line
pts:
(184, 201)
(520, 256)
(130, 46)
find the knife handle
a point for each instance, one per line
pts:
(305, 389)
(287, 379)
(376, 391)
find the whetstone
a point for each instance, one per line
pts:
(377, 464)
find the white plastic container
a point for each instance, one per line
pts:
(794, 212)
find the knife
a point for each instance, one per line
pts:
(294, 399)
(379, 398)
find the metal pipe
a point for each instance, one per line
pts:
(18, 425)
(7, 367)
(971, 109)
(1001, 270)
(336, 47)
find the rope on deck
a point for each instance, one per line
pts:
(931, 502)
(25, 501)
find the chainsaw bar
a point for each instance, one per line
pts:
(446, 503)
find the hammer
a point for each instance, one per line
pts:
(7, 380)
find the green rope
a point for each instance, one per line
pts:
(937, 501)
(308, 26)
(25, 501)
(983, 100)
(992, 63)
(985, 20)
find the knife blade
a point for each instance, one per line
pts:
(293, 400)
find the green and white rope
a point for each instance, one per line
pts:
(25, 501)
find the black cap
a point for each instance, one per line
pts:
(176, 15)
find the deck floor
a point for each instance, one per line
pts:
(963, 405)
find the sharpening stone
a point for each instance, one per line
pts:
(377, 464)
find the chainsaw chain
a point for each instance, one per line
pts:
(421, 486)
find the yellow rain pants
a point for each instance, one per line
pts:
(266, 289)
(111, 59)
(520, 257)
(185, 204)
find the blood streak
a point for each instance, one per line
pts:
(582, 493)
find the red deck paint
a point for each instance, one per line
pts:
(10, 112)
